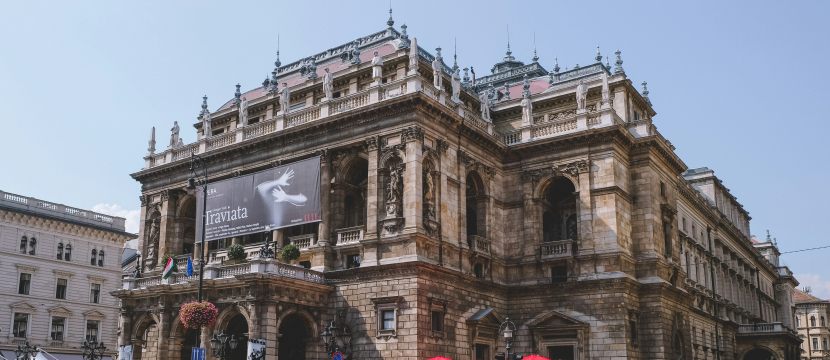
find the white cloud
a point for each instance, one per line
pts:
(820, 287)
(132, 216)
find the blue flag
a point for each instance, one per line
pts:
(189, 266)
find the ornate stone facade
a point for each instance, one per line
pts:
(563, 208)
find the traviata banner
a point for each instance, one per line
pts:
(284, 196)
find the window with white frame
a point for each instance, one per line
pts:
(92, 327)
(24, 283)
(60, 289)
(20, 325)
(58, 328)
(387, 315)
(95, 293)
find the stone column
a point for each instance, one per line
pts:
(126, 327)
(270, 332)
(142, 249)
(372, 189)
(413, 139)
(461, 158)
(585, 213)
(167, 226)
(163, 332)
(325, 198)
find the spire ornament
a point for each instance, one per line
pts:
(405, 43)
(598, 58)
(454, 55)
(237, 96)
(204, 116)
(508, 55)
(556, 65)
(645, 92)
(535, 55)
(618, 69)
(151, 145)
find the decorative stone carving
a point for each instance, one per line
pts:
(574, 168)
(606, 92)
(581, 95)
(371, 143)
(205, 117)
(377, 67)
(429, 194)
(151, 145)
(412, 133)
(393, 191)
(309, 68)
(355, 53)
(243, 112)
(404, 38)
(484, 100)
(285, 98)
(527, 110)
(152, 245)
(413, 56)
(441, 145)
(456, 86)
(437, 70)
(328, 84)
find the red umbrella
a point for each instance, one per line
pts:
(534, 357)
(440, 358)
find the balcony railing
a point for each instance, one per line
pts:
(763, 328)
(220, 256)
(479, 244)
(304, 241)
(269, 266)
(351, 235)
(556, 249)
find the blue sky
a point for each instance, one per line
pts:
(739, 86)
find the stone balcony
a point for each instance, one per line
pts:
(479, 244)
(218, 271)
(556, 249)
(303, 242)
(350, 235)
(764, 329)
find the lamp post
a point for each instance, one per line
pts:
(222, 344)
(93, 350)
(197, 161)
(332, 335)
(507, 328)
(25, 351)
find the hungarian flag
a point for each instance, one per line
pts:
(169, 268)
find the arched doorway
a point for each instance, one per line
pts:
(294, 338)
(191, 338)
(238, 327)
(759, 354)
(559, 211)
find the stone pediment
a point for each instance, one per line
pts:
(94, 315)
(554, 319)
(59, 310)
(485, 317)
(23, 306)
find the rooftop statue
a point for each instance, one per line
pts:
(437, 70)
(328, 84)
(377, 66)
(243, 112)
(456, 86)
(174, 135)
(285, 98)
(581, 95)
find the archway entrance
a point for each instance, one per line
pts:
(191, 337)
(759, 354)
(238, 326)
(294, 338)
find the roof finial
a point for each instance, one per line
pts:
(769, 238)
(618, 64)
(204, 104)
(556, 65)
(277, 63)
(454, 54)
(599, 55)
(390, 22)
(645, 92)
(508, 54)
(151, 145)
(535, 56)
(238, 94)
(607, 63)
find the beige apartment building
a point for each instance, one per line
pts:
(451, 202)
(58, 265)
(812, 319)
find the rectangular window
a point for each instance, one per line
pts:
(352, 261)
(21, 325)
(24, 284)
(60, 289)
(559, 274)
(437, 321)
(58, 326)
(824, 344)
(95, 293)
(387, 319)
(92, 330)
(815, 343)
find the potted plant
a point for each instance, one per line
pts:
(236, 254)
(194, 314)
(289, 253)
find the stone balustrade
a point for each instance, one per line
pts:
(479, 244)
(763, 328)
(304, 241)
(61, 211)
(351, 235)
(556, 249)
(213, 272)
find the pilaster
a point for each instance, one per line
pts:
(325, 197)
(413, 139)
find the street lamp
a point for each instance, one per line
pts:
(507, 328)
(93, 350)
(25, 351)
(333, 335)
(222, 344)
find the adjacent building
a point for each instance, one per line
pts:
(450, 203)
(811, 317)
(58, 265)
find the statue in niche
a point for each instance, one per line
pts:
(243, 112)
(527, 109)
(456, 86)
(377, 67)
(174, 135)
(581, 95)
(152, 245)
(393, 191)
(484, 99)
(429, 195)
(285, 98)
(328, 84)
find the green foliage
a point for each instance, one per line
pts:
(236, 252)
(290, 252)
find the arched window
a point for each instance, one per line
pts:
(476, 206)
(67, 252)
(354, 193)
(60, 250)
(559, 211)
(32, 246)
(94, 258)
(24, 242)
(812, 321)
(101, 258)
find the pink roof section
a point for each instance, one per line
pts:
(537, 86)
(334, 64)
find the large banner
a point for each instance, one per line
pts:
(284, 196)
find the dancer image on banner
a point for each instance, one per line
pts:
(278, 193)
